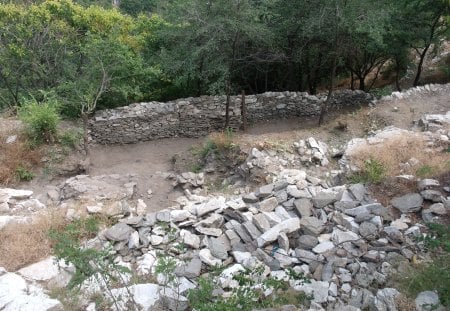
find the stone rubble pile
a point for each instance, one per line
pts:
(265, 164)
(418, 90)
(435, 122)
(345, 242)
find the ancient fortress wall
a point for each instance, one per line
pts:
(195, 117)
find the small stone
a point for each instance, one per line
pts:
(432, 195)
(438, 208)
(323, 247)
(209, 231)
(427, 184)
(206, 257)
(261, 222)
(268, 205)
(250, 198)
(119, 232)
(408, 203)
(264, 191)
(358, 191)
(307, 241)
(427, 301)
(287, 226)
(304, 207)
(312, 226)
(179, 215)
(190, 239)
(191, 270)
(323, 199)
(368, 230)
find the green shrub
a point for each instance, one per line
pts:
(70, 139)
(41, 119)
(425, 171)
(434, 275)
(23, 174)
(380, 92)
(373, 172)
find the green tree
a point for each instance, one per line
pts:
(208, 41)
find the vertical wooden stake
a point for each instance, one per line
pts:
(243, 112)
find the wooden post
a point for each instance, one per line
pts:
(243, 112)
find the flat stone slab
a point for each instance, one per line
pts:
(408, 203)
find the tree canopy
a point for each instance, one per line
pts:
(110, 53)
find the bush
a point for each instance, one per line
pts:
(373, 172)
(23, 174)
(41, 119)
(434, 275)
(70, 139)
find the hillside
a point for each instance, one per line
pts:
(285, 216)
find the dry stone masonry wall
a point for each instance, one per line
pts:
(195, 117)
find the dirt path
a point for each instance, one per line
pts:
(150, 161)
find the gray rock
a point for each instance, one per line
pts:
(325, 198)
(209, 231)
(206, 257)
(432, 195)
(239, 229)
(119, 232)
(323, 247)
(265, 191)
(312, 226)
(327, 271)
(408, 203)
(287, 226)
(307, 241)
(191, 269)
(252, 230)
(385, 299)
(318, 289)
(250, 198)
(339, 236)
(358, 191)
(368, 230)
(283, 242)
(211, 205)
(172, 300)
(307, 256)
(219, 247)
(261, 222)
(268, 205)
(190, 239)
(428, 301)
(233, 237)
(304, 207)
(361, 298)
(393, 233)
(163, 216)
(438, 208)
(427, 184)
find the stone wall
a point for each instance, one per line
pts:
(195, 117)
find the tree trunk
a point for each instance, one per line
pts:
(326, 104)
(362, 83)
(397, 76)
(419, 67)
(243, 111)
(352, 81)
(227, 106)
(84, 117)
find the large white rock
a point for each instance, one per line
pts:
(16, 294)
(206, 257)
(318, 289)
(212, 205)
(145, 296)
(47, 270)
(287, 226)
(7, 193)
